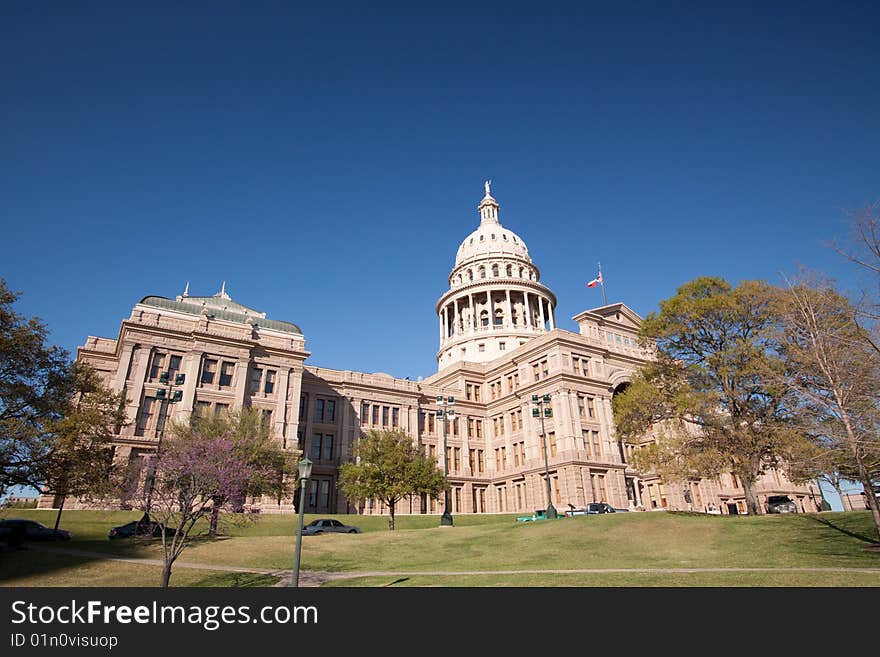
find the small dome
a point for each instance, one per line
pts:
(492, 239)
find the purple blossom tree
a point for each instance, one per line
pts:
(191, 473)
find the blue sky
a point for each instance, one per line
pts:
(326, 161)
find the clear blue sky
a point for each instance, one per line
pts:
(326, 161)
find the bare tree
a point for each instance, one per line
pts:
(833, 372)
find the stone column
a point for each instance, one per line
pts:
(528, 310)
(491, 305)
(550, 312)
(473, 312)
(142, 360)
(541, 313)
(280, 422)
(509, 309)
(455, 328)
(191, 364)
(124, 364)
(241, 382)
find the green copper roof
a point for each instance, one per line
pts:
(217, 313)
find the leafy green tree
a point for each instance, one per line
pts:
(710, 392)
(389, 468)
(56, 418)
(80, 460)
(35, 387)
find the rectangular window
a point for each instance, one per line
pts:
(330, 411)
(201, 409)
(266, 419)
(502, 346)
(303, 408)
(173, 367)
(385, 416)
(328, 447)
(580, 402)
(551, 439)
(270, 382)
(226, 370)
(145, 416)
(395, 417)
(220, 409)
(256, 379)
(156, 365)
(316, 447)
(313, 493)
(325, 494)
(209, 369)
(365, 413)
(319, 410)
(591, 407)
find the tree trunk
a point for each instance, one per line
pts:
(844, 501)
(870, 497)
(391, 516)
(754, 508)
(215, 516)
(60, 509)
(166, 574)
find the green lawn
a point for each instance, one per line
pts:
(482, 543)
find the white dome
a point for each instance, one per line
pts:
(492, 239)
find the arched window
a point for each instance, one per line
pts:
(484, 318)
(499, 317)
(482, 272)
(470, 274)
(520, 272)
(509, 271)
(495, 271)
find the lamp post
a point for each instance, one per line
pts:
(305, 471)
(541, 408)
(445, 412)
(166, 395)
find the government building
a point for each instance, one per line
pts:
(499, 348)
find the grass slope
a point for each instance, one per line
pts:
(485, 543)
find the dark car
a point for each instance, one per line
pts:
(781, 504)
(599, 507)
(140, 528)
(30, 530)
(328, 525)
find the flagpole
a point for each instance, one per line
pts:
(602, 283)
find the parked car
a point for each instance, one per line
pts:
(599, 507)
(31, 530)
(781, 504)
(328, 525)
(138, 528)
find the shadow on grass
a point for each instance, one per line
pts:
(235, 580)
(862, 537)
(397, 581)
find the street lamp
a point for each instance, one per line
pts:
(541, 408)
(445, 412)
(166, 395)
(305, 471)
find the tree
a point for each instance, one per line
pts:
(709, 387)
(389, 468)
(833, 372)
(36, 385)
(79, 462)
(252, 443)
(190, 474)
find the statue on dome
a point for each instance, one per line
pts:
(486, 185)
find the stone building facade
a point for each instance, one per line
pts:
(499, 347)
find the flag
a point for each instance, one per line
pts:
(596, 281)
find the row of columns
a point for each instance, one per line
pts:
(542, 317)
